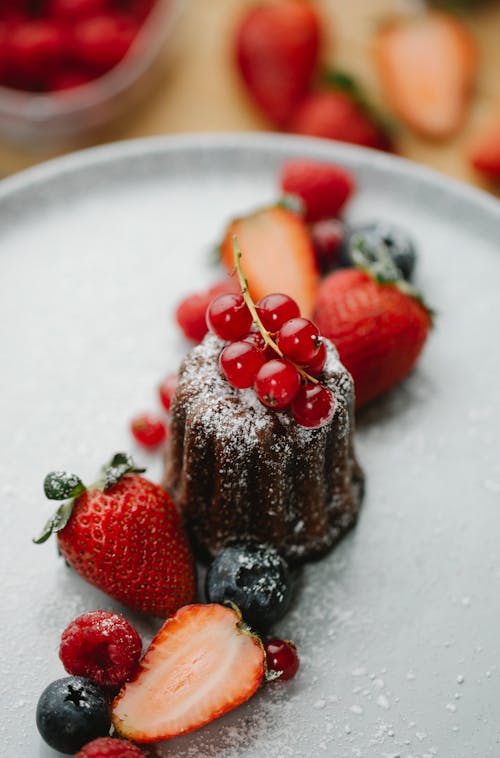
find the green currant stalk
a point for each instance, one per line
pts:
(268, 340)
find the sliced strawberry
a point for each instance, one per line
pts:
(277, 47)
(202, 663)
(484, 152)
(277, 255)
(335, 115)
(378, 330)
(323, 187)
(427, 66)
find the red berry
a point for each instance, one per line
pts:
(298, 339)
(148, 430)
(239, 362)
(281, 656)
(327, 236)
(275, 309)
(228, 317)
(65, 80)
(110, 747)
(191, 312)
(316, 366)
(36, 48)
(72, 10)
(255, 338)
(101, 646)
(167, 388)
(313, 406)
(323, 187)
(102, 41)
(276, 384)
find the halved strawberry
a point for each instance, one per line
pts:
(202, 663)
(278, 255)
(427, 65)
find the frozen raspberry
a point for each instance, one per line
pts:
(101, 646)
(109, 747)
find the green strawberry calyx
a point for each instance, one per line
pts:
(381, 268)
(61, 485)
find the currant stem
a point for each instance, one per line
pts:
(255, 316)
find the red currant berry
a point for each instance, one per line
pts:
(313, 406)
(228, 317)
(75, 9)
(167, 388)
(316, 366)
(298, 339)
(102, 646)
(255, 338)
(281, 657)
(102, 41)
(149, 431)
(327, 237)
(36, 48)
(239, 362)
(276, 384)
(68, 80)
(275, 309)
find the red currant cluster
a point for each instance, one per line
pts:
(276, 352)
(52, 45)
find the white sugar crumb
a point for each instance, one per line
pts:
(451, 707)
(383, 702)
(357, 709)
(460, 679)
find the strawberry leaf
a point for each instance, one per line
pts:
(60, 485)
(57, 522)
(120, 465)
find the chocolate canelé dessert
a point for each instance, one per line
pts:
(239, 471)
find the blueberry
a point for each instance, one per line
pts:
(71, 712)
(255, 578)
(395, 240)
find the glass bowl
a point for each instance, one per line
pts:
(41, 120)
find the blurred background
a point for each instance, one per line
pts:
(82, 72)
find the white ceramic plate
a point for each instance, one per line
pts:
(398, 628)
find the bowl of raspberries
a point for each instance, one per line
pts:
(67, 67)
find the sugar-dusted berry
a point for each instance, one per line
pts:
(240, 362)
(101, 646)
(281, 658)
(110, 747)
(276, 384)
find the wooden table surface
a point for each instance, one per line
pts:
(200, 90)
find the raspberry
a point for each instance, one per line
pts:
(101, 646)
(167, 389)
(109, 747)
(191, 312)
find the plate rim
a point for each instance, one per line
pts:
(388, 163)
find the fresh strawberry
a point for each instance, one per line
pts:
(278, 255)
(336, 115)
(378, 329)
(277, 46)
(323, 187)
(427, 65)
(202, 663)
(190, 313)
(124, 536)
(484, 152)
